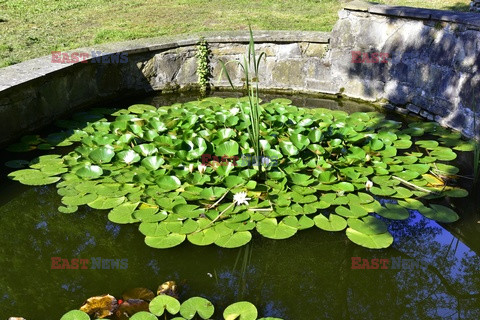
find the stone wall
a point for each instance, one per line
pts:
(431, 70)
(434, 61)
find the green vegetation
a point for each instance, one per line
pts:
(254, 112)
(192, 308)
(203, 70)
(35, 28)
(331, 170)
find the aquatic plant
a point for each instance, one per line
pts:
(254, 110)
(203, 71)
(335, 171)
(143, 304)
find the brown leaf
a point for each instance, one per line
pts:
(132, 306)
(169, 288)
(139, 293)
(100, 306)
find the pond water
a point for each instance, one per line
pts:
(308, 276)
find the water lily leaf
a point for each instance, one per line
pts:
(465, 146)
(143, 315)
(128, 156)
(371, 241)
(164, 302)
(332, 223)
(418, 167)
(152, 162)
(411, 204)
(75, 315)
(163, 242)
(242, 310)
(439, 213)
(270, 228)
(68, 209)
(146, 149)
(197, 305)
(102, 155)
(301, 179)
(402, 144)
(383, 191)
(355, 211)
(103, 203)
(89, 172)
(288, 148)
(299, 141)
(315, 135)
(427, 144)
(182, 227)
(443, 154)
(168, 183)
(204, 237)
(393, 211)
(79, 199)
(99, 306)
(234, 240)
(446, 169)
(138, 293)
(344, 186)
(123, 213)
(188, 210)
(456, 193)
(227, 148)
(367, 225)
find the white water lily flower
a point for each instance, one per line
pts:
(368, 185)
(368, 158)
(265, 161)
(202, 168)
(241, 198)
(191, 166)
(234, 111)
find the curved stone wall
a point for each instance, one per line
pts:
(418, 61)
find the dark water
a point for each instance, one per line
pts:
(306, 277)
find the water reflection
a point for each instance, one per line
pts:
(308, 276)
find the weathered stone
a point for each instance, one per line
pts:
(413, 108)
(401, 110)
(289, 72)
(357, 5)
(315, 50)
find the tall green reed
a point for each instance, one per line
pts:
(250, 61)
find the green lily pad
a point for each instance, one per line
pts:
(270, 228)
(143, 315)
(393, 211)
(371, 241)
(164, 241)
(439, 213)
(164, 302)
(332, 223)
(75, 315)
(197, 305)
(234, 240)
(242, 310)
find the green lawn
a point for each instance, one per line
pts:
(33, 28)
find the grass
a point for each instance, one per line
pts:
(33, 28)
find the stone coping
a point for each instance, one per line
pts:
(26, 71)
(470, 19)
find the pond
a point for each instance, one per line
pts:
(433, 270)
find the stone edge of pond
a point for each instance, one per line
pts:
(35, 92)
